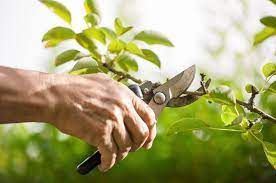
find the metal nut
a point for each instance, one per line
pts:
(146, 91)
(159, 98)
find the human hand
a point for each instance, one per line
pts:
(105, 114)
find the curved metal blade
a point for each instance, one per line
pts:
(186, 99)
(180, 83)
(173, 88)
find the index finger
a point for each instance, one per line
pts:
(148, 116)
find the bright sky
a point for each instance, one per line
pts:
(24, 22)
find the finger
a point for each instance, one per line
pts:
(145, 112)
(137, 129)
(122, 140)
(108, 151)
(148, 116)
(152, 135)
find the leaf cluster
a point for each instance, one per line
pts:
(113, 46)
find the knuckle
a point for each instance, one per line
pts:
(104, 132)
(102, 75)
(143, 135)
(151, 117)
(151, 113)
(125, 149)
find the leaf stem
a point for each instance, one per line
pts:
(256, 137)
(224, 129)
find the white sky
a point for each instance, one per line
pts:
(24, 22)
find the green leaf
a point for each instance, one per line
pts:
(228, 115)
(249, 88)
(85, 67)
(85, 42)
(119, 28)
(269, 21)
(223, 95)
(269, 69)
(134, 49)
(95, 33)
(251, 138)
(56, 35)
(186, 125)
(116, 46)
(273, 1)
(92, 19)
(66, 57)
(109, 33)
(245, 123)
(151, 56)
(237, 121)
(270, 152)
(266, 33)
(91, 7)
(257, 128)
(272, 87)
(151, 37)
(127, 63)
(59, 9)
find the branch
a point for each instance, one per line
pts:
(111, 69)
(202, 83)
(123, 75)
(248, 105)
(256, 110)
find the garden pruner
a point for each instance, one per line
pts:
(157, 96)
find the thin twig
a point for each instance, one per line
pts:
(119, 73)
(202, 83)
(248, 105)
(111, 69)
(194, 93)
(257, 111)
(253, 96)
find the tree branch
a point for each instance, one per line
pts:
(256, 110)
(123, 75)
(111, 69)
(248, 105)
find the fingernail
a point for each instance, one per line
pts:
(102, 169)
(148, 146)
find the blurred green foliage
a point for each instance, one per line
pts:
(47, 156)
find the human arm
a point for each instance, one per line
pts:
(93, 108)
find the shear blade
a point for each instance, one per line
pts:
(178, 84)
(186, 99)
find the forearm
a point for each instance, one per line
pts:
(25, 96)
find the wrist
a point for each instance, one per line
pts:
(25, 96)
(50, 96)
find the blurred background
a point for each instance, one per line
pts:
(215, 35)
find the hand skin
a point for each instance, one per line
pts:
(94, 108)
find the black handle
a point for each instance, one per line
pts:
(93, 161)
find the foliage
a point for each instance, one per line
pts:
(117, 52)
(118, 59)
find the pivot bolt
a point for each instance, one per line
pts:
(159, 98)
(146, 91)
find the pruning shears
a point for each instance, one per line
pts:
(157, 96)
